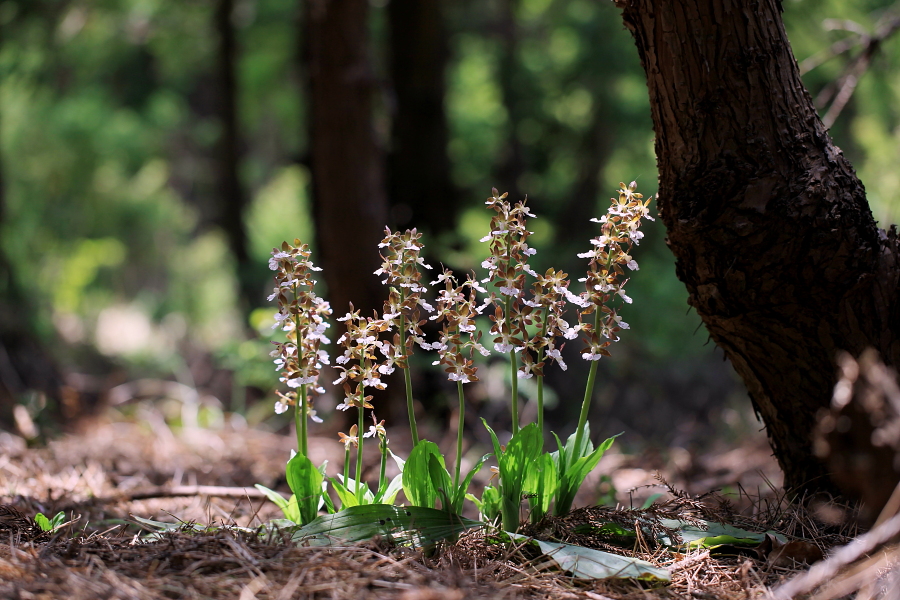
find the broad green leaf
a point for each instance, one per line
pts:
(272, 495)
(519, 457)
(440, 479)
(711, 534)
(414, 524)
(575, 472)
(595, 564)
(541, 483)
(420, 483)
(489, 505)
(292, 511)
(460, 492)
(498, 451)
(305, 480)
(42, 522)
(346, 491)
(57, 520)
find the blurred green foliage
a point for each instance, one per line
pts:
(106, 141)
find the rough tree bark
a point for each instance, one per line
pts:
(346, 161)
(770, 226)
(422, 193)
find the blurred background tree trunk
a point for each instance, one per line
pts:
(230, 190)
(347, 163)
(770, 226)
(25, 365)
(513, 90)
(422, 193)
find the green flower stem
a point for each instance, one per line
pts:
(359, 448)
(514, 366)
(410, 409)
(300, 421)
(459, 432)
(540, 378)
(381, 479)
(300, 405)
(346, 463)
(588, 392)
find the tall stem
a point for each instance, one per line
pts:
(588, 394)
(359, 448)
(300, 421)
(410, 409)
(514, 367)
(540, 378)
(381, 479)
(346, 464)
(300, 405)
(459, 432)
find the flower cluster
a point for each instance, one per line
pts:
(402, 308)
(550, 293)
(302, 315)
(508, 245)
(605, 279)
(457, 308)
(360, 342)
(507, 268)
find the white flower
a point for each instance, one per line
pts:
(280, 407)
(460, 377)
(621, 292)
(591, 356)
(632, 264)
(557, 356)
(276, 256)
(523, 374)
(504, 348)
(385, 369)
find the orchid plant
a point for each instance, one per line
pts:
(528, 326)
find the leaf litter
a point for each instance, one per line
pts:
(115, 470)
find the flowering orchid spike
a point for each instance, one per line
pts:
(610, 256)
(302, 315)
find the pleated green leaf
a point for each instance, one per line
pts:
(414, 525)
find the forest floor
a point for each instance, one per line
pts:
(119, 468)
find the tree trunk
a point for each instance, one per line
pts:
(229, 189)
(421, 190)
(513, 164)
(768, 222)
(346, 161)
